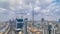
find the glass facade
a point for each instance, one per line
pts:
(20, 25)
(19, 20)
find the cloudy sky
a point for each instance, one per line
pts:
(48, 9)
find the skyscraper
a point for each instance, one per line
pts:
(49, 28)
(59, 20)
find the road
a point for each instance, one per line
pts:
(12, 29)
(2, 25)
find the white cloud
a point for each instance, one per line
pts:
(12, 2)
(46, 1)
(11, 15)
(45, 11)
(49, 1)
(37, 9)
(12, 8)
(3, 10)
(44, 7)
(20, 2)
(51, 18)
(37, 2)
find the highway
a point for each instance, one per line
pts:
(12, 28)
(7, 28)
(2, 25)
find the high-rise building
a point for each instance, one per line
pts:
(42, 21)
(59, 20)
(25, 25)
(49, 28)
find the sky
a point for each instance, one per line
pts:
(48, 9)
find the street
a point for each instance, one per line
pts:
(12, 29)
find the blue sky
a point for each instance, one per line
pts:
(48, 9)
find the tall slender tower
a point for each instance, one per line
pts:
(26, 20)
(33, 15)
(42, 21)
